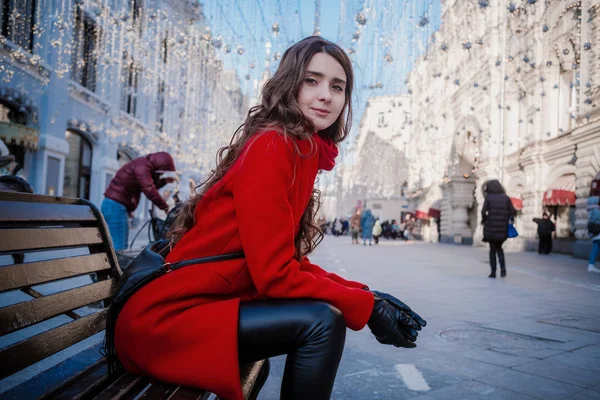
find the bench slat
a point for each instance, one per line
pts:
(26, 313)
(120, 387)
(38, 198)
(183, 393)
(29, 274)
(248, 375)
(158, 391)
(14, 240)
(14, 211)
(23, 354)
(82, 386)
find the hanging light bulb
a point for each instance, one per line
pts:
(217, 42)
(360, 18)
(240, 49)
(275, 29)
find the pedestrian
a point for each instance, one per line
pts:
(121, 198)
(196, 325)
(495, 216)
(545, 230)
(593, 227)
(395, 230)
(366, 226)
(377, 231)
(355, 226)
(345, 227)
(339, 227)
(409, 225)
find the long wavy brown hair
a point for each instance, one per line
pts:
(279, 110)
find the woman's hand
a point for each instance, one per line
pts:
(402, 307)
(392, 326)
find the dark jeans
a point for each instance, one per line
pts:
(312, 333)
(496, 248)
(545, 245)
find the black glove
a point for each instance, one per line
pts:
(402, 307)
(387, 323)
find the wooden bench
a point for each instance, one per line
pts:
(46, 244)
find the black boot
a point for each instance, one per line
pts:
(503, 272)
(492, 264)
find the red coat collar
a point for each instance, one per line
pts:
(328, 151)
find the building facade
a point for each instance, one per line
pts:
(377, 178)
(86, 86)
(515, 97)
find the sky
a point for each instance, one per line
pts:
(382, 37)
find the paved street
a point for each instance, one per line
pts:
(534, 334)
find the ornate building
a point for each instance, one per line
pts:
(514, 97)
(87, 85)
(379, 159)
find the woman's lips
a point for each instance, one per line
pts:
(320, 112)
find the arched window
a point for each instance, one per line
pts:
(17, 20)
(78, 166)
(10, 116)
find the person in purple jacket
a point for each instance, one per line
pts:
(144, 174)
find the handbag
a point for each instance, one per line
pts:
(145, 267)
(512, 231)
(593, 228)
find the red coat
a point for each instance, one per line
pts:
(136, 177)
(182, 328)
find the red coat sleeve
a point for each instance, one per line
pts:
(306, 265)
(261, 193)
(143, 173)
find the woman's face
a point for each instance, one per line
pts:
(322, 94)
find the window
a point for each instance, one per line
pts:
(52, 169)
(567, 93)
(17, 19)
(160, 109)
(165, 48)
(10, 116)
(130, 79)
(78, 166)
(135, 11)
(85, 53)
(381, 120)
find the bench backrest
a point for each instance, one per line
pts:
(49, 239)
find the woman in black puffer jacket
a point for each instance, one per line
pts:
(495, 216)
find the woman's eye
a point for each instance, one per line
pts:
(338, 88)
(310, 80)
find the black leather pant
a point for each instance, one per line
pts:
(496, 248)
(312, 333)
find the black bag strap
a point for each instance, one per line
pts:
(221, 257)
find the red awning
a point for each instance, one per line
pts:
(433, 213)
(559, 198)
(517, 203)
(561, 192)
(435, 209)
(421, 215)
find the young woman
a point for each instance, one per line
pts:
(194, 326)
(496, 213)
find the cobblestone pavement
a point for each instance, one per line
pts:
(534, 334)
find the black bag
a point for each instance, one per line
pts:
(147, 266)
(593, 228)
